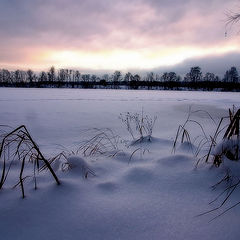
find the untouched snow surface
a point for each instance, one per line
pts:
(137, 191)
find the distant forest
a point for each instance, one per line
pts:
(66, 78)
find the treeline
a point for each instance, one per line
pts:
(66, 78)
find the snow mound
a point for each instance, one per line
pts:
(175, 160)
(228, 147)
(107, 187)
(79, 166)
(187, 147)
(146, 141)
(139, 175)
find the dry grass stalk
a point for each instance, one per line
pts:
(232, 132)
(85, 169)
(142, 152)
(230, 152)
(233, 184)
(103, 141)
(139, 126)
(19, 145)
(184, 135)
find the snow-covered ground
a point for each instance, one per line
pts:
(142, 192)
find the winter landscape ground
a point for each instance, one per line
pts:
(135, 189)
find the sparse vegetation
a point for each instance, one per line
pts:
(184, 135)
(226, 150)
(102, 141)
(18, 145)
(74, 162)
(139, 126)
(229, 147)
(218, 152)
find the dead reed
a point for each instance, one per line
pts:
(226, 150)
(18, 145)
(101, 142)
(230, 142)
(139, 125)
(183, 133)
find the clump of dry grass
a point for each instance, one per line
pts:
(18, 145)
(101, 142)
(67, 161)
(229, 146)
(75, 162)
(231, 183)
(222, 146)
(183, 134)
(227, 149)
(139, 125)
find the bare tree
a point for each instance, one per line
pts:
(232, 18)
(51, 75)
(30, 75)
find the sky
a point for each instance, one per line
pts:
(106, 35)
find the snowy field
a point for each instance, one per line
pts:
(140, 190)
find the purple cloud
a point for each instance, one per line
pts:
(93, 25)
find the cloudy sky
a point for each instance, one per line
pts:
(118, 34)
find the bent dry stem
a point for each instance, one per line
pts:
(19, 145)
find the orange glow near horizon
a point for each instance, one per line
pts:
(117, 59)
(124, 59)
